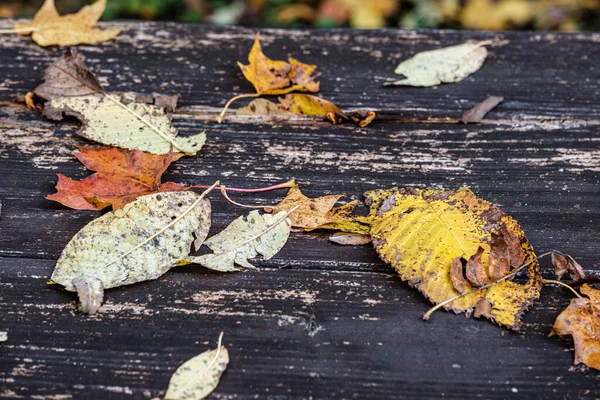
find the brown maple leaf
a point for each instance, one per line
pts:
(581, 320)
(121, 177)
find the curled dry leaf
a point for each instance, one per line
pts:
(199, 376)
(121, 177)
(311, 213)
(457, 275)
(564, 263)
(244, 239)
(446, 65)
(139, 242)
(480, 110)
(581, 320)
(422, 232)
(48, 28)
(350, 239)
(499, 258)
(475, 271)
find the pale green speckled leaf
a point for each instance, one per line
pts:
(245, 239)
(446, 65)
(96, 252)
(109, 122)
(199, 376)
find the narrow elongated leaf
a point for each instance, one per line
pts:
(199, 376)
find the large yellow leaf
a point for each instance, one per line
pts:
(48, 28)
(421, 232)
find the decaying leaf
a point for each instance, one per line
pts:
(121, 177)
(479, 110)
(457, 275)
(350, 239)
(499, 258)
(245, 239)
(581, 320)
(304, 104)
(199, 376)
(475, 271)
(311, 213)
(47, 28)
(446, 65)
(139, 242)
(262, 107)
(131, 126)
(564, 263)
(422, 232)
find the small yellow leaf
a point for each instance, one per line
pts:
(265, 74)
(304, 104)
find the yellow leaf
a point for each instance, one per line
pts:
(304, 104)
(311, 213)
(581, 320)
(421, 232)
(342, 219)
(47, 28)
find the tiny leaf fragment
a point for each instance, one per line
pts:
(480, 110)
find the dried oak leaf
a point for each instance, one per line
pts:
(47, 28)
(446, 65)
(311, 213)
(581, 320)
(139, 242)
(121, 177)
(564, 263)
(421, 232)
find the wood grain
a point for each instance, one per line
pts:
(318, 321)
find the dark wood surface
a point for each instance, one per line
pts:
(319, 321)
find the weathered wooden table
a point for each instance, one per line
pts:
(318, 321)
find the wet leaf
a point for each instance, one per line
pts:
(139, 242)
(480, 110)
(199, 376)
(350, 239)
(564, 263)
(109, 121)
(245, 239)
(121, 177)
(311, 213)
(422, 232)
(446, 65)
(47, 28)
(581, 320)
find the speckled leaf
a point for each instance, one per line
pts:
(450, 64)
(108, 248)
(108, 121)
(199, 376)
(244, 239)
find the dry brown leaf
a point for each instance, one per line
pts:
(311, 213)
(483, 308)
(480, 110)
(262, 107)
(350, 239)
(475, 271)
(457, 275)
(564, 263)
(47, 28)
(515, 249)
(499, 259)
(581, 320)
(121, 177)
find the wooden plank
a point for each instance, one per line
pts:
(319, 320)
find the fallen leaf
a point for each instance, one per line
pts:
(343, 219)
(421, 232)
(475, 271)
(362, 118)
(499, 258)
(121, 177)
(47, 28)
(199, 376)
(457, 275)
(581, 320)
(262, 107)
(245, 239)
(479, 110)
(68, 76)
(483, 308)
(565, 263)
(132, 126)
(446, 65)
(350, 239)
(139, 242)
(311, 213)
(515, 247)
(303, 104)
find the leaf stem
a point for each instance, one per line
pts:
(20, 30)
(554, 282)
(234, 98)
(183, 214)
(288, 184)
(505, 277)
(150, 124)
(224, 193)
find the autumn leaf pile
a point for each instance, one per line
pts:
(461, 252)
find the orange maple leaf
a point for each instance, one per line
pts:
(121, 177)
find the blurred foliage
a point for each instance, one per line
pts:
(564, 15)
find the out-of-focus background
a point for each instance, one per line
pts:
(563, 15)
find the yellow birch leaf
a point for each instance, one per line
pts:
(421, 232)
(48, 28)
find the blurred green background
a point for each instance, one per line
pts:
(564, 15)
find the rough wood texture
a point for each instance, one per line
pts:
(319, 321)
